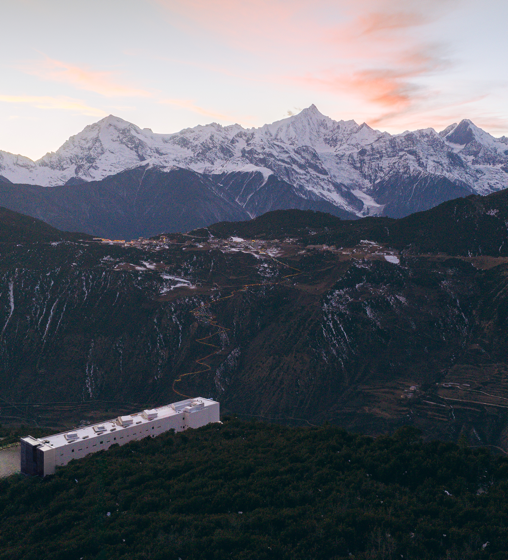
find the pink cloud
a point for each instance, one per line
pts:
(103, 83)
(392, 87)
(60, 103)
(253, 25)
(438, 114)
(376, 53)
(379, 22)
(262, 24)
(389, 16)
(371, 46)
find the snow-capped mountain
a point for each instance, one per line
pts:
(351, 166)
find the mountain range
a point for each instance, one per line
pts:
(306, 161)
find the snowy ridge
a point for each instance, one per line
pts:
(340, 162)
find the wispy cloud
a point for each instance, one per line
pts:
(376, 23)
(199, 64)
(59, 103)
(373, 51)
(190, 105)
(495, 124)
(104, 83)
(439, 112)
(252, 25)
(383, 17)
(393, 87)
(302, 23)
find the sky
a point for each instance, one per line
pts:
(173, 64)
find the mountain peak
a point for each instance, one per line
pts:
(112, 120)
(108, 130)
(304, 129)
(310, 151)
(311, 109)
(462, 134)
(311, 112)
(466, 132)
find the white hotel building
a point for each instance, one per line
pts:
(42, 456)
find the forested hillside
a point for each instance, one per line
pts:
(260, 492)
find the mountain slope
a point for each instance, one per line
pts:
(139, 202)
(341, 163)
(17, 228)
(146, 201)
(473, 226)
(250, 490)
(296, 316)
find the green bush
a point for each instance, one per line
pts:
(258, 491)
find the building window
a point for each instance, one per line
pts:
(72, 450)
(101, 442)
(114, 438)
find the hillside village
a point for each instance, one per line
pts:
(287, 247)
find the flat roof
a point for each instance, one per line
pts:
(113, 426)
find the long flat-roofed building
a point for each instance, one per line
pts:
(42, 456)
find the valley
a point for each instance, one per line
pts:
(296, 317)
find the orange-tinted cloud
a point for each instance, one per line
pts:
(368, 49)
(47, 102)
(388, 88)
(103, 83)
(389, 70)
(394, 88)
(377, 53)
(261, 24)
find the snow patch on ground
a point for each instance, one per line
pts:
(179, 283)
(370, 206)
(274, 252)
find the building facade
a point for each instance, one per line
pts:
(42, 456)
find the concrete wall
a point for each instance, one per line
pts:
(52, 457)
(199, 418)
(83, 447)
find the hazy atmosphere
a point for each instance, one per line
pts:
(172, 64)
